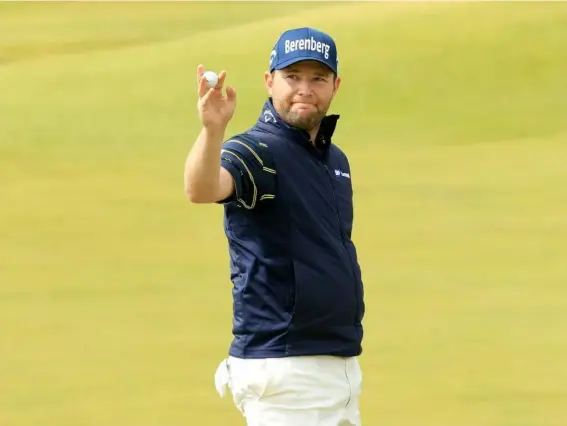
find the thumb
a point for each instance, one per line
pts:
(231, 94)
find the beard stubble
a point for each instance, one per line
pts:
(305, 123)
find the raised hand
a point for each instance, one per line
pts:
(215, 110)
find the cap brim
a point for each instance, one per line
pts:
(289, 62)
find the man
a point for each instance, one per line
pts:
(287, 195)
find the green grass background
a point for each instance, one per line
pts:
(115, 301)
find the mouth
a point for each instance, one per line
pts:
(303, 105)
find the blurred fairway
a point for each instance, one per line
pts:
(115, 301)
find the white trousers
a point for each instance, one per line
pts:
(293, 391)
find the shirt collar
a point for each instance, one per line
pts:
(270, 121)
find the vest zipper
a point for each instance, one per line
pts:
(344, 243)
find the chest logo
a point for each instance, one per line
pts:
(342, 174)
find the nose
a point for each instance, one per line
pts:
(304, 88)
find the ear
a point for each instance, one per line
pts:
(338, 81)
(269, 80)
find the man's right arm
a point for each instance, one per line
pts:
(231, 171)
(205, 180)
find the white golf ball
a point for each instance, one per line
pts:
(212, 79)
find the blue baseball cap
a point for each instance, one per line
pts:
(304, 44)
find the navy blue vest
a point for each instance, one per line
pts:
(297, 284)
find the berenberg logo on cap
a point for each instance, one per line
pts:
(307, 44)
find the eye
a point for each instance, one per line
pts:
(320, 79)
(291, 77)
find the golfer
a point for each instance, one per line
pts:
(286, 189)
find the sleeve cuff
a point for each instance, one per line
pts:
(236, 178)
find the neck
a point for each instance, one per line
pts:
(313, 134)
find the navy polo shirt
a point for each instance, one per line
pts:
(297, 287)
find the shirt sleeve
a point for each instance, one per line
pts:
(254, 179)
